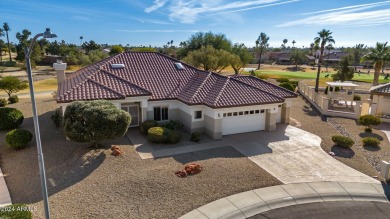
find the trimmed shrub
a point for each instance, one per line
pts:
(342, 141)
(10, 118)
(13, 99)
(173, 137)
(357, 97)
(163, 135)
(3, 102)
(95, 121)
(264, 77)
(18, 138)
(146, 125)
(287, 85)
(369, 120)
(283, 80)
(172, 125)
(195, 137)
(158, 134)
(370, 142)
(16, 211)
(56, 116)
(294, 83)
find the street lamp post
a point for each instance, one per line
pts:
(27, 52)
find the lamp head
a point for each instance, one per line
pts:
(48, 34)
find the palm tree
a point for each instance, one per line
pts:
(81, 40)
(311, 48)
(6, 29)
(261, 41)
(357, 51)
(328, 47)
(324, 37)
(377, 55)
(293, 42)
(1, 46)
(284, 43)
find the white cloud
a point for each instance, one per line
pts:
(189, 11)
(157, 4)
(357, 15)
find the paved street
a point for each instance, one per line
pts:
(326, 210)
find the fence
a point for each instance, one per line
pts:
(321, 103)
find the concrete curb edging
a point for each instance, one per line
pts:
(250, 203)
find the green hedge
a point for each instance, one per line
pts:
(195, 137)
(18, 138)
(3, 102)
(146, 125)
(342, 141)
(16, 211)
(57, 117)
(287, 85)
(10, 118)
(13, 99)
(283, 80)
(163, 135)
(370, 142)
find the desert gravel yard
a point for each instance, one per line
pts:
(310, 120)
(88, 183)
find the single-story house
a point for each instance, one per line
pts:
(380, 104)
(334, 58)
(285, 59)
(153, 86)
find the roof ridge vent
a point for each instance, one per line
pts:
(117, 65)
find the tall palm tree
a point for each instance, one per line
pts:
(377, 55)
(284, 43)
(81, 40)
(262, 42)
(1, 46)
(324, 37)
(6, 29)
(293, 42)
(311, 48)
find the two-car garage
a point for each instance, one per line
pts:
(243, 121)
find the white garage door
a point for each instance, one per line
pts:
(243, 123)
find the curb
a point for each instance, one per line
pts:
(253, 202)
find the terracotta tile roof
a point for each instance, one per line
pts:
(382, 88)
(155, 75)
(266, 86)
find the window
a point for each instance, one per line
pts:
(160, 113)
(198, 114)
(179, 65)
(262, 111)
(257, 111)
(224, 114)
(280, 105)
(229, 114)
(252, 112)
(241, 113)
(235, 113)
(246, 112)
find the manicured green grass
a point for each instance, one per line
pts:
(313, 75)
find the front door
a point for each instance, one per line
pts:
(133, 110)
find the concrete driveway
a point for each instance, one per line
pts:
(293, 155)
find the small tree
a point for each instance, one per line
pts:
(344, 72)
(11, 84)
(369, 120)
(95, 121)
(116, 50)
(297, 56)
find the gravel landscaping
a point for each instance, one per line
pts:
(312, 121)
(89, 183)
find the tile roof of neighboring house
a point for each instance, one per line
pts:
(156, 75)
(334, 56)
(383, 88)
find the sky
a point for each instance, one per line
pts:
(155, 22)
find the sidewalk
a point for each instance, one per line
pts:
(250, 203)
(5, 198)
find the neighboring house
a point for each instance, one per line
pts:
(153, 86)
(380, 104)
(334, 58)
(285, 59)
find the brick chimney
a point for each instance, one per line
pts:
(60, 70)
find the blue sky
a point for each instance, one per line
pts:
(155, 22)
